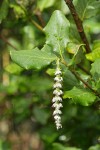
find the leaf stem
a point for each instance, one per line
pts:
(79, 25)
(40, 17)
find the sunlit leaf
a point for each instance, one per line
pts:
(42, 4)
(13, 68)
(18, 10)
(77, 51)
(50, 72)
(80, 96)
(73, 47)
(95, 54)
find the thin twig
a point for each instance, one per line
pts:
(79, 25)
(36, 24)
(40, 17)
(79, 78)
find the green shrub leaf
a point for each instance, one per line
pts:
(57, 31)
(80, 96)
(13, 68)
(95, 54)
(42, 4)
(32, 58)
(95, 70)
(87, 8)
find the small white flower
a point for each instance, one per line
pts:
(57, 98)
(57, 121)
(57, 105)
(56, 117)
(58, 79)
(57, 85)
(57, 72)
(58, 125)
(57, 92)
(57, 111)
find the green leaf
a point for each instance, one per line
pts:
(57, 31)
(87, 8)
(69, 80)
(42, 4)
(32, 58)
(92, 25)
(95, 54)
(77, 51)
(72, 48)
(50, 72)
(80, 96)
(13, 68)
(95, 70)
(74, 35)
(96, 45)
(19, 12)
(4, 10)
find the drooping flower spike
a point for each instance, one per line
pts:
(57, 99)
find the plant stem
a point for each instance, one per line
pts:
(79, 25)
(78, 77)
(36, 25)
(40, 18)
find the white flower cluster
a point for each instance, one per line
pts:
(57, 99)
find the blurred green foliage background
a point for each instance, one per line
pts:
(26, 120)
